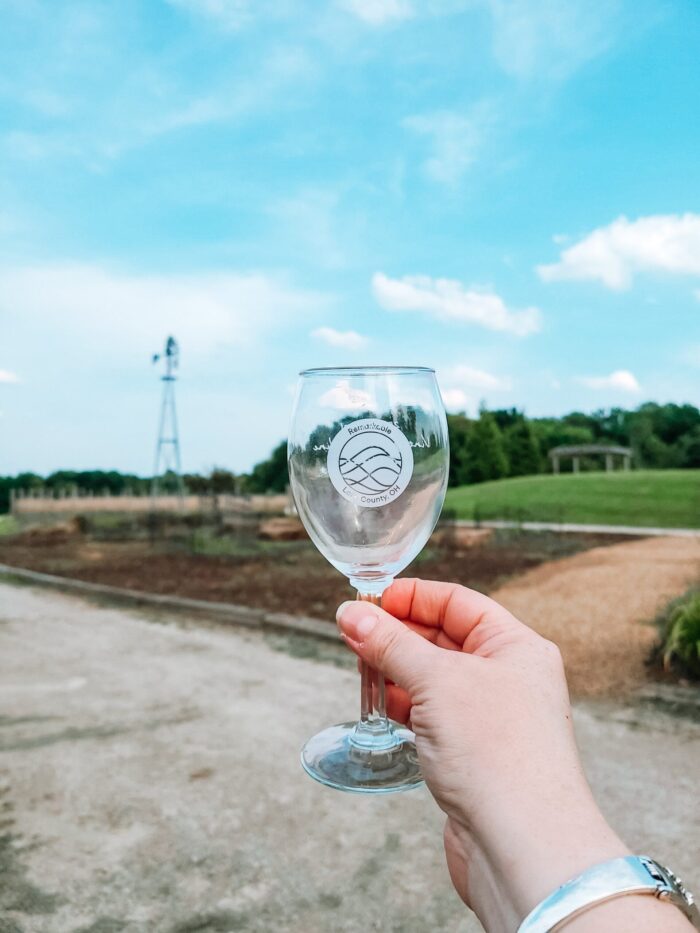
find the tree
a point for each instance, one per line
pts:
(522, 449)
(552, 432)
(270, 475)
(578, 419)
(649, 450)
(613, 425)
(506, 417)
(669, 422)
(221, 481)
(689, 449)
(485, 456)
(195, 484)
(458, 428)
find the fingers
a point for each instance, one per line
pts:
(467, 620)
(388, 645)
(398, 704)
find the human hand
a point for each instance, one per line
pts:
(487, 699)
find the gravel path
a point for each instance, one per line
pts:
(594, 605)
(149, 783)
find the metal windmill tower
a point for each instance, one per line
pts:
(168, 446)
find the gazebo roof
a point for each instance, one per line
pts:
(581, 450)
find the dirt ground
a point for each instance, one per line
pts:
(594, 601)
(594, 606)
(278, 576)
(150, 783)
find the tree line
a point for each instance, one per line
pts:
(504, 442)
(496, 444)
(268, 476)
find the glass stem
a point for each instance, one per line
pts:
(374, 727)
(373, 705)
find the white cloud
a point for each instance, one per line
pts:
(9, 224)
(231, 14)
(550, 38)
(346, 397)
(622, 380)
(475, 378)
(455, 379)
(152, 97)
(456, 400)
(231, 100)
(34, 147)
(97, 305)
(455, 138)
(8, 377)
(378, 12)
(691, 354)
(346, 339)
(313, 223)
(47, 102)
(449, 300)
(612, 255)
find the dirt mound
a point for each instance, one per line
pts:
(282, 529)
(461, 539)
(51, 535)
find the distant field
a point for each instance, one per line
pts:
(664, 498)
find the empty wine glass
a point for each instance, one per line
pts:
(368, 464)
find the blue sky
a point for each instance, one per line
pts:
(506, 190)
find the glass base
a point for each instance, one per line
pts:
(357, 761)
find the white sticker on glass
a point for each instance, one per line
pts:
(370, 462)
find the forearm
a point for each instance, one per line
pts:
(539, 840)
(513, 861)
(545, 849)
(522, 860)
(508, 881)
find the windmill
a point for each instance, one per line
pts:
(168, 446)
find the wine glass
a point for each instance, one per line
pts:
(368, 463)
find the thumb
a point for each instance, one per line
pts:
(387, 644)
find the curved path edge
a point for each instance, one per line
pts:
(572, 527)
(230, 612)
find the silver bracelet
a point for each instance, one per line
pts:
(634, 874)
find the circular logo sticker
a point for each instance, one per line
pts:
(370, 462)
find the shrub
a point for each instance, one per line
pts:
(680, 625)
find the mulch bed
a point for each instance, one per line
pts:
(290, 577)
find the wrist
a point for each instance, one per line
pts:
(514, 859)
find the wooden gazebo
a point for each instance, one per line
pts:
(589, 450)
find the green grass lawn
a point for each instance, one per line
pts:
(664, 498)
(8, 525)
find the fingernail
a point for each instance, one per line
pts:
(341, 609)
(355, 621)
